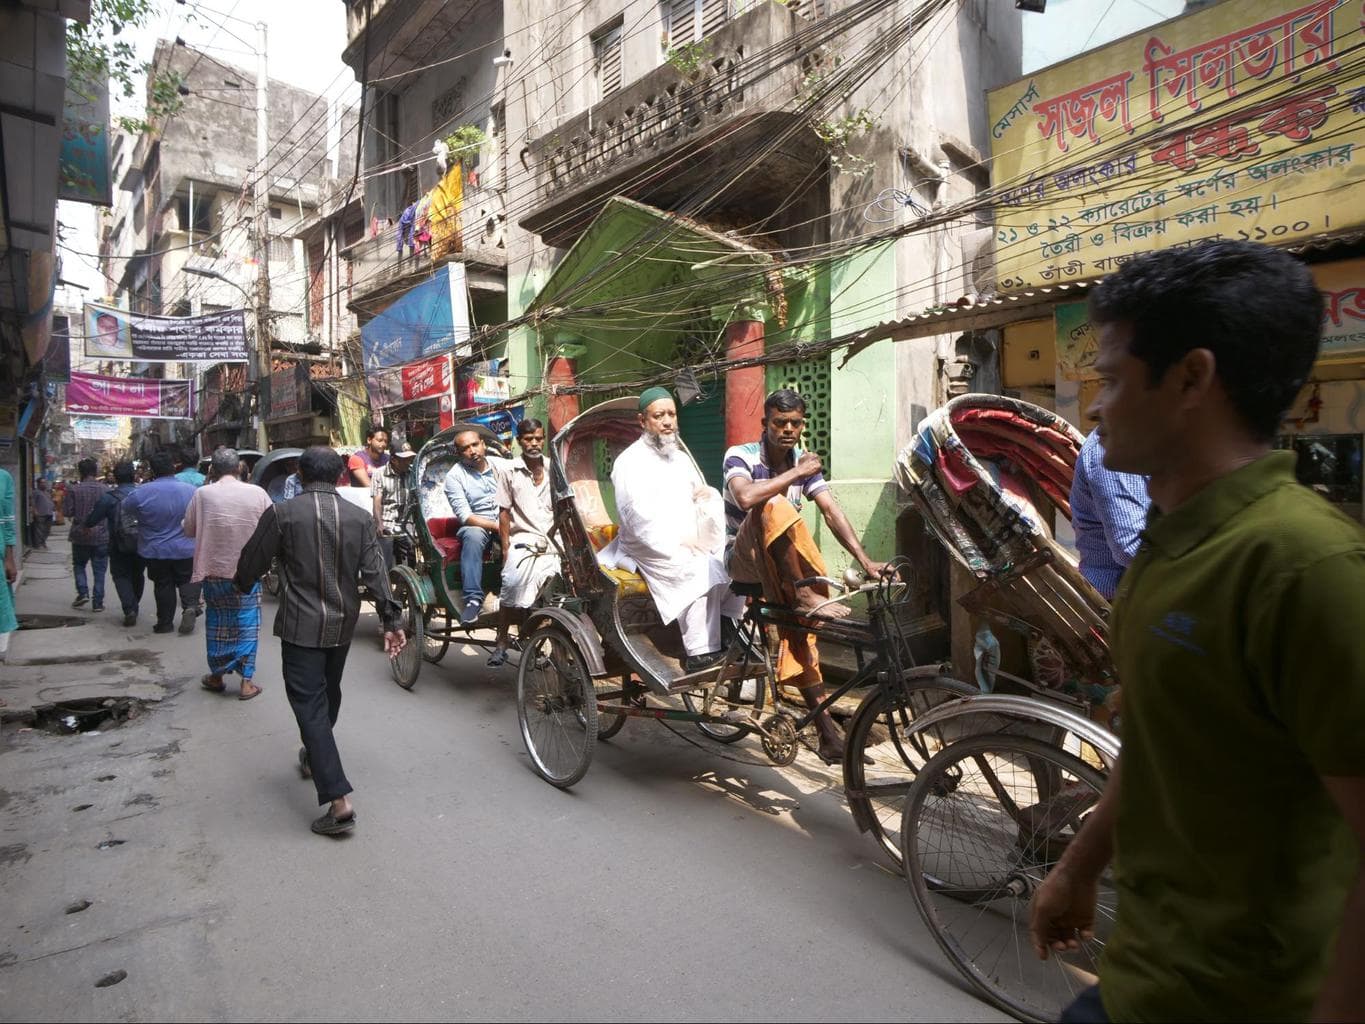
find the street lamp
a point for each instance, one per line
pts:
(258, 362)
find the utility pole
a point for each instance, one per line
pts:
(261, 231)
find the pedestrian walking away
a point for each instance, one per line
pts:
(220, 519)
(159, 508)
(9, 543)
(126, 566)
(43, 512)
(1237, 806)
(324, 545)
(89, 544)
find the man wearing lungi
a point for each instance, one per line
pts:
(770, 544)
(220, 519)
(525, 518)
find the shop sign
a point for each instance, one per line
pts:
(428, 378)
(84, 168)
(1343, 321)
(1241, 121)
(291, 392)
(94, 428)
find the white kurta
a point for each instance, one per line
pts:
(658, 514)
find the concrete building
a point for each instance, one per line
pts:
(33, 87)
(179, 239)
(791, 129)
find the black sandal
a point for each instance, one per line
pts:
(327, 825)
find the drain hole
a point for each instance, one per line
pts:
(109, 844)
(112, 978)
(105, 778)
(82, 807)
(78, 906)
(49, 621)
(89, 715)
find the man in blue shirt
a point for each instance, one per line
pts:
(471, 487)
(125, 564)
(159, 508)
(1108, 513)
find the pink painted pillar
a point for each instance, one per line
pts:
(744, 387)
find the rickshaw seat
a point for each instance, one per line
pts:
(628, 584)
(445, 535)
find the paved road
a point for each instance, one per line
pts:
(677, 881)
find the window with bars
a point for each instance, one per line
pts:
(810, 378)
(689, 21)
(606, 60)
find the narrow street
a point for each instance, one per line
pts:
(678, 880)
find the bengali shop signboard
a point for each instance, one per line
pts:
(411, 382)
(1245, 120)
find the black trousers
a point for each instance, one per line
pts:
(171, 577)
(127, 568)
(312, 682)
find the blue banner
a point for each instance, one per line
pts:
(429, 318)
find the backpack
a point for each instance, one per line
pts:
(123, 537)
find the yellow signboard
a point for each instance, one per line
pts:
(1343, 313)
(1245, 120)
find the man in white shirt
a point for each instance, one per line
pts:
(525, 519)
(671, 531)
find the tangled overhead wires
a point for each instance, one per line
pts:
(889, 203)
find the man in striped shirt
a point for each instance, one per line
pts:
(1108, 513)
(769, 543)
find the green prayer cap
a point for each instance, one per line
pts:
(652, 395)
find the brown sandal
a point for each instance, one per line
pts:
(208, 685)
(250, 696)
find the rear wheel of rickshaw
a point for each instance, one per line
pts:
(409, 661)
(742, 696)
(433, 650)
(880, 731)
(556, 707)
(985, 821)
(608, 723)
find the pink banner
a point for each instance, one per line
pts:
(122, 396)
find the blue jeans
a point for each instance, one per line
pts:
(1086, 1009)
(474, 541)
(98, 557)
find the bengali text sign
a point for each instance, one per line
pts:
(1245, 121)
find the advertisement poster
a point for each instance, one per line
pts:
(412, 382)
(1241, 121)
(85, 174)
(95, 428)
(112, 333)
(431, 317)
(121, 396)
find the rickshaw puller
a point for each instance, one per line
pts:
(770, 544)
(667, 513)
(525, 519)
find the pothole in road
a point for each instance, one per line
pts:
(112, 978)
(109, 844)
(49, 621)
(82, 807)
(93, 714)
(78, 906)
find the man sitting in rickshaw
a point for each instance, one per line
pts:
(766, 482)
(471, 489)
(670, 531)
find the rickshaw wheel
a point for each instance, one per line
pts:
(434, 650)
(409, 661)
(729, 695)
(880, 731)
(608, 724)
(556, 707)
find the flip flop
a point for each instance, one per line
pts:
(204, 682)
(251, 696)
(497, 658)
(330, 826)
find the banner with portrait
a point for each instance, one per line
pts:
(113, 333)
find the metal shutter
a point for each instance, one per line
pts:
(702, 426)
(606, 48)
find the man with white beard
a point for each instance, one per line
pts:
(672, 531)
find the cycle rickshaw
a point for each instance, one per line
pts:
(986, 818)
(429, 589)
(596, 654)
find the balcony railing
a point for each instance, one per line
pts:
(592, 155)
(379, 268)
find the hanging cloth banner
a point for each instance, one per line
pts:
(411, 382)
(113, 333)
(122, 396)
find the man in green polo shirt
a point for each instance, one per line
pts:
(1236, 818)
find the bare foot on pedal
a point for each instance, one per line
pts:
(820, 607)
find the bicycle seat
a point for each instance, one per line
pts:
(746, 589)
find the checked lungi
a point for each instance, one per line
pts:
(233, 625)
